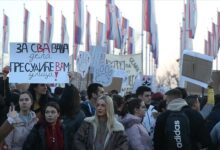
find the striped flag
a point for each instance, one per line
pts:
(64, 33)
(215, 39)
(41, 32)
(117, 39)
(100, 37)
(206, 47)
(218, 29)
(78, 21)
(49, 23)
(110, 19)
(5, 36)
(88, 33)
(26, 22)
(124, 28)
(146, 15)
(131, 45)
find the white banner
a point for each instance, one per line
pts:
(130, 63)
(97, 54)
(39, 63)
(83, 63)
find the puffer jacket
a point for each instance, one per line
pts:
(115, 140)
(138, 137)
(16, 138)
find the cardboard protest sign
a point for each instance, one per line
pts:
(130, 63)
(83, 63)
(194, 89)
(39, 63)
(97, 54)
(115, 85)
(196, 68)
(216, 81)
(103, 74)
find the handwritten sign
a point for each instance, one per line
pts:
(130, 63)
(103, 74)
(83, 63)
(39, 63)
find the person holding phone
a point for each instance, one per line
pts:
(23, 123)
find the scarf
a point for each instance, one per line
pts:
(54, 136)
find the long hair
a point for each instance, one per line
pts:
(109, 112)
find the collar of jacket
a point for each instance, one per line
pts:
(176, 104)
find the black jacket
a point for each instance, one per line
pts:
(198, 132)
(213, 118)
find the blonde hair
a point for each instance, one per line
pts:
(109, 112)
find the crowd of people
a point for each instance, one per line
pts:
(38, 119)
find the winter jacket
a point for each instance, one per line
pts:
(138, 137)
(71, 125)
(36, 139)
(85, 136)
(213, 117)
(88, 108)
(5, 129)
(149, 120)
(215, 135)
(16, 138)
(198, 132)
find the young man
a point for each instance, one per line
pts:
(94, 91)
(144, 93)
(198, 134)
(193, 102)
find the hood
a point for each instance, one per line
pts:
(129, 120)
(176, 104)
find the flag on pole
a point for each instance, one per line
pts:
(88, 33)
(110, 19)
(117, 39)
(215, 39)
(41, 33)
(124, 28)
(146, 15)
(64, 33)
(78, 21)
(100, 37)
(26, 22)
(206, 47)
(49, 23)
(131, 45)
(218, 23)
(5, 36)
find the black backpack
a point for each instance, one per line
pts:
(177, 131)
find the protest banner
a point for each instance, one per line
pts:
(39, 63)
(116, 84)
(97, 54)
(195, 68)
(103, 74)
(83, 63)
(130, 63)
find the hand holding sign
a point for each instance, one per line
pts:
(83, 63)
(103, 74)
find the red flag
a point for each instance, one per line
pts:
(5, 34)
(41, 33)
(131, 45)
(26, 21)
(49, 23)
(78, 21)
(88, 34)
(64, 33)
(110, 19)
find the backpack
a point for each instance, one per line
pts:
(177, 131)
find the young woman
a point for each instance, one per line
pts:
(138, 137)
(23, 123)
(102, 131)
(48, 134)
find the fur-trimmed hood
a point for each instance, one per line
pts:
(117, 126)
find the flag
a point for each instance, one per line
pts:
(146, 15)
(131, 45)
(215, 39)
(88, 33)
(117, 39)
(110, 19)
(100, 35)
(218, 29)
(64, 33)
(5, 33)
(49, 23)
(210, 50)
(41, 33)
(206, 47)
(26, 22)
(124, 28)
(78, 21)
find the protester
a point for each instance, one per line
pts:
(144, 93)
(193, 102)
(138, 137)
(71, 115)
(25, 120)
(215, 136)
(102, 131)
(94, 91)
(193, 131)
(118, 102)
(47, 134)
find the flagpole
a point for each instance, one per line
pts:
(142, 40)
(3, 47)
